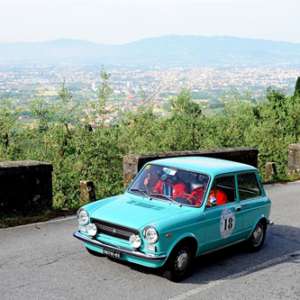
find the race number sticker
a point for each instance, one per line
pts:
(227, 223)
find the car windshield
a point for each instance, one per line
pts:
(171, 184)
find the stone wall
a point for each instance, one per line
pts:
(25, 187)
(133, 163)
(294, 159)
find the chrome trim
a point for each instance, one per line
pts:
(94, 242)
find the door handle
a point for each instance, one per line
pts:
(238, 208)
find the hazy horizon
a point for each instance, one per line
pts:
(146, 38)
(124, 21)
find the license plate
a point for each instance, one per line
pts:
(112, 253)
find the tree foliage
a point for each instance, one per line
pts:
(78, 151)
(297, 88)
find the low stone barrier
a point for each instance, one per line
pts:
(87, 192)
(270, 171)
(294, 159)
(133, 163)
(25, 187)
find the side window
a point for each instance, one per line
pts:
(248, 186)
(222, 191)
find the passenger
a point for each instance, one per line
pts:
(198, 187)
(218, 196)
(196, 196)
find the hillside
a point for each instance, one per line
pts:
(163, 51)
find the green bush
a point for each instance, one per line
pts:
(78, 152)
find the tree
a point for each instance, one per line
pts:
(104, 92)
(186, 118)
(65, 107)
(8, 120)
(183, 104)
(42, 112)
(297, 88)
(65, 118)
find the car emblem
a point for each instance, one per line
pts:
(114, 230)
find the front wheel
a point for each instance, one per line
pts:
(257, 238)
(179, 264)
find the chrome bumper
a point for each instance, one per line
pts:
(94, 242)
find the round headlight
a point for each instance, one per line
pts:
(83, 217)
(151, 235)
(91, 229)
(135, 241)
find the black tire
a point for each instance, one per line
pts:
(179, 265)
(94, 252)
(258, 236)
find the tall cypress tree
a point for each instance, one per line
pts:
(297, 88)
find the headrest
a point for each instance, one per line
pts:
(195, 185)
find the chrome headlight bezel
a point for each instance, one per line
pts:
(91, 229)
(151, 235)
(135, 241)
(83, 217)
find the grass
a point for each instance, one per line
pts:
(19, 219)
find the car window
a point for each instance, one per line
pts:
(222, 191)
(248, 186)
(168, 183)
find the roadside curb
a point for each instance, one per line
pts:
(56, 220)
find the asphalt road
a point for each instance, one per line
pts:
(44, 261)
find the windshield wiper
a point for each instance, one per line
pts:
(144, 192)
(163, 197)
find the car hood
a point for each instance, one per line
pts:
(134, 211)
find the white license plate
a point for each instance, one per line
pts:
(112, 253)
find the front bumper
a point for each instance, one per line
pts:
(122, 250)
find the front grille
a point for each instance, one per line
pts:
(114, 229)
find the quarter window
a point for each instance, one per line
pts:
(248, 186)
(222, 191)
(227, 186)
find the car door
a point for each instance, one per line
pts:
(222, 223)
(252, 200)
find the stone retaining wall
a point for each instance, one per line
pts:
(294, 159)
(133, 163)
(25, 186)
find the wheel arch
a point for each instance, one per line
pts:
(261, 218)
(189, 239)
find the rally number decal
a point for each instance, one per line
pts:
(227, 223)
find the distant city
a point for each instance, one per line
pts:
(149, 71)
(132, 87)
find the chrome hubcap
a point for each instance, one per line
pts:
(182, 261)
(258, 235)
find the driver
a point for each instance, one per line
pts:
(157, 181)
(170, 186)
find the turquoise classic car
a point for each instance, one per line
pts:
(175, 210)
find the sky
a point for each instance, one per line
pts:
(121, 21)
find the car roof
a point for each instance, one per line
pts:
(207, 165)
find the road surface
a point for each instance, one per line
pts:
(44, 261)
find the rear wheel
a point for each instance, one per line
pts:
(257, 238)
(179, 264)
